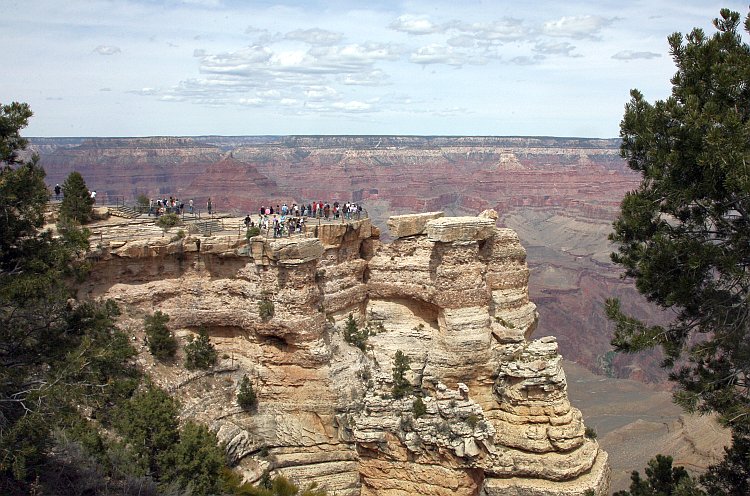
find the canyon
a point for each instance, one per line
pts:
(449, 293)
(559, 194)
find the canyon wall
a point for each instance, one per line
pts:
(559, 194)
(450, 293)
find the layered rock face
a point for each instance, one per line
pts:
(486, 410)
(559, 194)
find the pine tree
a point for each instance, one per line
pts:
(684, 234)
(56, 359)
(77, 204)
(161, 343)
(200, 353)
(246, 397)
(401, 386)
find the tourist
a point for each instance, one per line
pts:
(190, 206)
(57, 191)
(209, 206)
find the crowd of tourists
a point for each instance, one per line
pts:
(173, 205)
(319, 210)
(287, 220)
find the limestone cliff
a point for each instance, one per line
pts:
(449, 292)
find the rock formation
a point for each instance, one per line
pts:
(559, 194)
(486, 411)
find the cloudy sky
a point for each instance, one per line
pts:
(425, 67)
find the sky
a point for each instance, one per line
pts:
(283, 67)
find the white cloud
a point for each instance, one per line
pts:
(375, 77)
(440, 54)
(503, 30)
(630, 55)
(587, 26)
(320, 93)
(415, 25)
(107, 50)
(315, 36)
(551, 48)
(352, 106)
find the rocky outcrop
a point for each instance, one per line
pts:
(559, 194)
(486, 410)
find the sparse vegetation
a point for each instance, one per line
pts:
(418, 407)
(167, 221)
(252, 231)
(406, 423)
(663, 479)
(472, 420)
(200, 353)
(590, 432)
(505, 323)
(355, 336)
(143, 202)
(401, 386)
(265, 309)
(246, 397)
(278, 486)
(161, 343)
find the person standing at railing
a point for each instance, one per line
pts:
(209, 206)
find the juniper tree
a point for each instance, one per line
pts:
(56, 359)
(401, 385)
(684, 234)
(161, 343)
(77, 204)
(200, 353)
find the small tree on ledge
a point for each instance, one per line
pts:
(200, 353)
(401, 386)
(161, 342)
(77, 204)
(246, 397)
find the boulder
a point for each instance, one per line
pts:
(401, 226)
(295, 251)
(452, 229)
(490, 213)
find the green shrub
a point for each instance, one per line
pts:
(143, 201)
(590, 432)
(196, 461)
(167, 221)
(252, 231)
(472, 420)
(354, 336)
(161, 343)
(418, 407)
(200, 353)
(401, 386)
(246, 397)
(265, 309)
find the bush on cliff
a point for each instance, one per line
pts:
(401, 386)
(265, 309)
(246, 397)
(200, 353)
(662, 479)
(161, 343)
(168, 221)
(355, 336)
